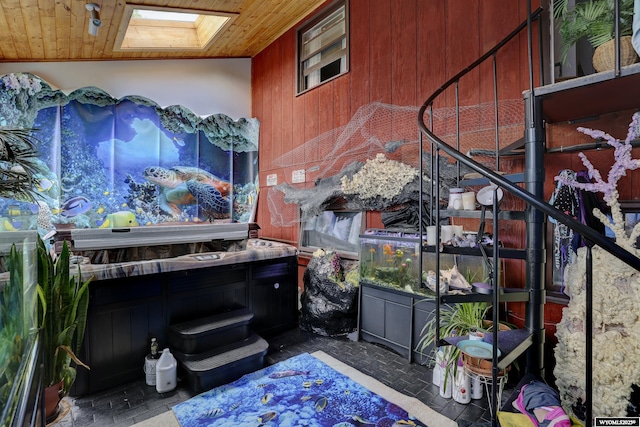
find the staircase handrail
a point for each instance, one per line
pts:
(531, 199)
(475, 63)
(540, 204)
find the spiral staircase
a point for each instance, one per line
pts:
(572, 99)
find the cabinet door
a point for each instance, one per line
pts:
(423, 311)
(385, 318)
(273, 296)
(123, 314)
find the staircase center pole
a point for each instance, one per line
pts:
(535, 233)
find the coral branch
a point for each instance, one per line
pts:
(616, 291)
(623, 162)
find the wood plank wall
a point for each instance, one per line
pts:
(401, 51)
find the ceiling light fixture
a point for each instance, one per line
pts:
(94, 22)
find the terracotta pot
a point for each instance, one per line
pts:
(52, 397)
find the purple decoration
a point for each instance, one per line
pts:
(623, 162)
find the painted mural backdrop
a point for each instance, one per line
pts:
(106, 162)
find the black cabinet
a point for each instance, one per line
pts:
(125, 313)
(395, 319)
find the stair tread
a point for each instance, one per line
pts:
(477, 179)
(506, 295)
(224, 355)
(510, 253)
(515, 215)
(214, 322)
(512, 343)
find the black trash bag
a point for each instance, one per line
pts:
(329, 304)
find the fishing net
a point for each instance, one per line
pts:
(393, 131)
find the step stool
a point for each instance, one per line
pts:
(207, 370)
(207, 333)
(217, 349)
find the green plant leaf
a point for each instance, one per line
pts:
(592, 20)
(63, 304)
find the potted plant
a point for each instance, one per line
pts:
(594, 20)
(455, 320)
(62, 317)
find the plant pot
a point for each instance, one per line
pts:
(484, 367)
(604, 56)
(52, 397)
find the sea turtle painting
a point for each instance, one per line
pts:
(187, 173)
(184, 185)
(214, 205)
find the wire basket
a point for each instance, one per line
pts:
(604, 56)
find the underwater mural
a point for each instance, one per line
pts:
(113, 163)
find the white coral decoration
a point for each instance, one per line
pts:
(616, 297)
(379, 177)
(616, 334)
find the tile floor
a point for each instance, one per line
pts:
(134, 402)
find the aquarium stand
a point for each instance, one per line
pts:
(394, 318)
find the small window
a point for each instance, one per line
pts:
(334, 230)
(323, 47)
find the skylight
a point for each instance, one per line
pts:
(162, 15)
(169, 29)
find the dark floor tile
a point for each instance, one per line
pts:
(472, 412)
(82, 418)
(453, 409)
(102, 419)
(415, 389)
(128, 415)
(132, 403)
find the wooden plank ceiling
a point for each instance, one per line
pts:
(57, 30)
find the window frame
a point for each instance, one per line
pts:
(310, 239)
(332, 8)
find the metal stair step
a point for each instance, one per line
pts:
(511, 343)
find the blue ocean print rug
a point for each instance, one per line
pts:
(300, 391)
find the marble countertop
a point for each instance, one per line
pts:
(257, 249)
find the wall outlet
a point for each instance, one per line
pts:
(272, 180)
(297, 176)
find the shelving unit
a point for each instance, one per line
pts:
(512, 344)
(508, 215)
(586, 98)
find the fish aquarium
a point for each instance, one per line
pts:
(393, 259)
(18, 352)
(106, 163)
